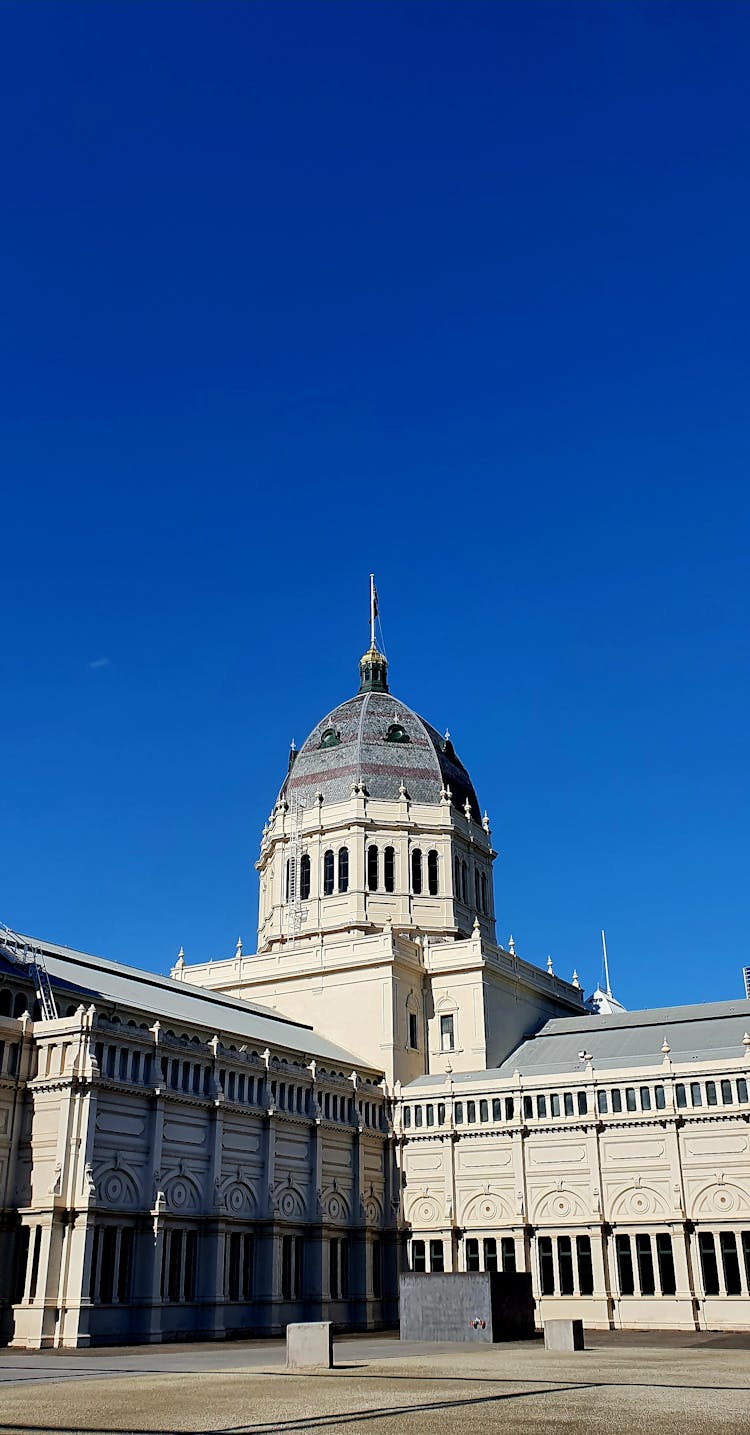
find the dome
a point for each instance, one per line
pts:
(375, 739)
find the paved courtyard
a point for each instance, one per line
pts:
(622, 1383)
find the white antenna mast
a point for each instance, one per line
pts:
(606, 964)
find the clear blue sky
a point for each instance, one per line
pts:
(458, 292)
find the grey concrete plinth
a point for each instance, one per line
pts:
(563, 1335)
(310, 1343)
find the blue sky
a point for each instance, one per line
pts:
(455, 292)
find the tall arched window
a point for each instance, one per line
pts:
(464, 882)
(432, 873)
(327, 873)
(389, 869)
(6, 1001)
(476, 890)
(372, 868)
(21, 1004)
(457, 878)
(343, 869)
(416, 871)
(483, 884)
(304, 877)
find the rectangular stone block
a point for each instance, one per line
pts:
(479, 1307)
(564, 1335)
(309, 1343)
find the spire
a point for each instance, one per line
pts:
(373, 668)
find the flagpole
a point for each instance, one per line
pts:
(372, 610)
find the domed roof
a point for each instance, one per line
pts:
(375, 739)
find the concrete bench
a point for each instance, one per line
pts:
(564, 1335)
(310, 1343)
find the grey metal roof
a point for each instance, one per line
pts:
(711, 1030)
(425, 762)
(174, 1003)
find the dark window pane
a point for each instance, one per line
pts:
(616, 1101)
(742, 1090)
(372, 868)
(432, 873)
(645, 1099)
(497, 1109)
(417, 1256)
(665, 1261)
(709, 1268)
(528, 1108)
(472, 1255)
(343, 869)
(436, 1257)
(333, 1267)
(695, 1093)
(728, 1247)
(490, 1253)
(568, 1099)
(601, 1102)
(565, 1264)
(471, 1111)
(508, 1254)
(645, 1265)
(484, 1112)
(541, 1107)
(726, 1093)
(546, 1266)
(413, 1032)
(583, 1105)
(328, 874)
(585, 1266)
(377, 1269)
(660, 1096)
(416, 871)
(711, 1098)
(107, 1280)
(458, 1112)
(304, 877)
(124, 1273)
(624, 1265)
(746, 1254)
(554, 1103)
(509, 1108)
(680, 1095)
(630, 1101)
(389, 869)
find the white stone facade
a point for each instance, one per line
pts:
(625, 1193)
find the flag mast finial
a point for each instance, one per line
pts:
(373, 609)
(373, 667)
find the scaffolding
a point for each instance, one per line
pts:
(294, 859)
(30, 956)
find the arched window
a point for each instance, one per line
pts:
(287, 877)
(304, 877)
(372, 868)
(416, 871)
(432, 873)
(464, 882)
(343, 869)
(389, 869)
(457, 878)
(476, 890)
(327, 873)
(20, 1004)
(6, 1001)
(483, 885)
